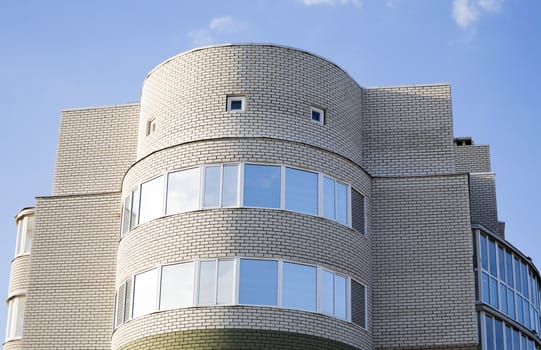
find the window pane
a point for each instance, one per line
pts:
(511, 302)
(225, 281)
(258, 282)
(9, 323)
(177, 286)
(301, 191)
(126, 214)
(19, 316)
(120, 305)
(28, 234)
(524, 273)
(358, 305)
(145, 293)
(207, 283)
(503, 298)
(489, 333)
(498, 331)
(501, 264)
(526, 308)
(328, 198)
(484, 252)
(212, 186)
(341, 203)
(299, 286)
(327, 292)
(486, 288)
(262, 186)
(183, 191)
(230, 185)
(516, 340)
(492, 257)
(21, 227)
(136, 200)
(508, 338)
(520, 311)
(518, 285)
(340, 296)
(494, 293)
(151, 206)
(509, 268)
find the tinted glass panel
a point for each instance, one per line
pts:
(329, 210)
(136, 200)
(484, 252)
(236, 105)
(327, 292)
(357, 211)
(518, 284)
(509, 267)
(316, 116)
(230, 185)
(145, 293)
(301, 191)
(262, 186)
(524, 273)
(520, 311)
(151, 206)
(501, 264)
(503, 297)
(225, 281)
(511, 303)
(207, 283)
(486, 288)
(126, 214)
(340, 296)
(258, 284)
(183, 191)
(516, 340)
(341, 203)
(498, 332)
(299, 286)
(358, 307)
(493, 292)
(508, 338)
(211, 194)
(177, 286)
(489, 333)
(492, 257)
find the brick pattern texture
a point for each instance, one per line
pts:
(408, 131)
(20, 272)
(70, 300)
(423, 281)
(472, 159)
(483, 202)
(235, 339)
(95, 147)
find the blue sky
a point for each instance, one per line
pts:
(68, 54)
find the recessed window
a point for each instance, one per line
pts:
(317, 115)
(236, 103)
(151, 126)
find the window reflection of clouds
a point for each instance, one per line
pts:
(183, 191)
(145, 292)
(262, 185)
(151, 200)
(301, 191)
(299, 284)
(177, 286)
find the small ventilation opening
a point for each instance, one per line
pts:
(463, 141)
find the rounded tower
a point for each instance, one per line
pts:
(245, 216)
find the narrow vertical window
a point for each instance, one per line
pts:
(151, 126)
(15, 321)
(145, 292)
(120, 305)
(25, 227)
(183, 191)
(230, 185)
(207, 283)
(358, 304)
(341, 203)
(126, 214)
(211, 194)
(136, 201)
(483, 251)
(151, 206)
(225, 283)
(329, 198)
(327, 292)
(489, 333)
(358, 213)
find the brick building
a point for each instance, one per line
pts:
(258, 197)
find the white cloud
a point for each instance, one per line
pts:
(467, 12)
(490, 5)
(356, 3)
(218, 26)
(464, 12)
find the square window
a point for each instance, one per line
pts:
(236, 103)
(317, 115)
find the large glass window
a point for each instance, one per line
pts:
(25, 227)
(177, 286)
(151, 206)
(216, 282)
(183, 191)
(15, 321)
(301, 191)
(221, 186)
(262, 186)
(258, 284)
(299, 286)
(145, 293)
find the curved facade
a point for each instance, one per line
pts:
(258, 197)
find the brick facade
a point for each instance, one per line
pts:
(393, 146)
